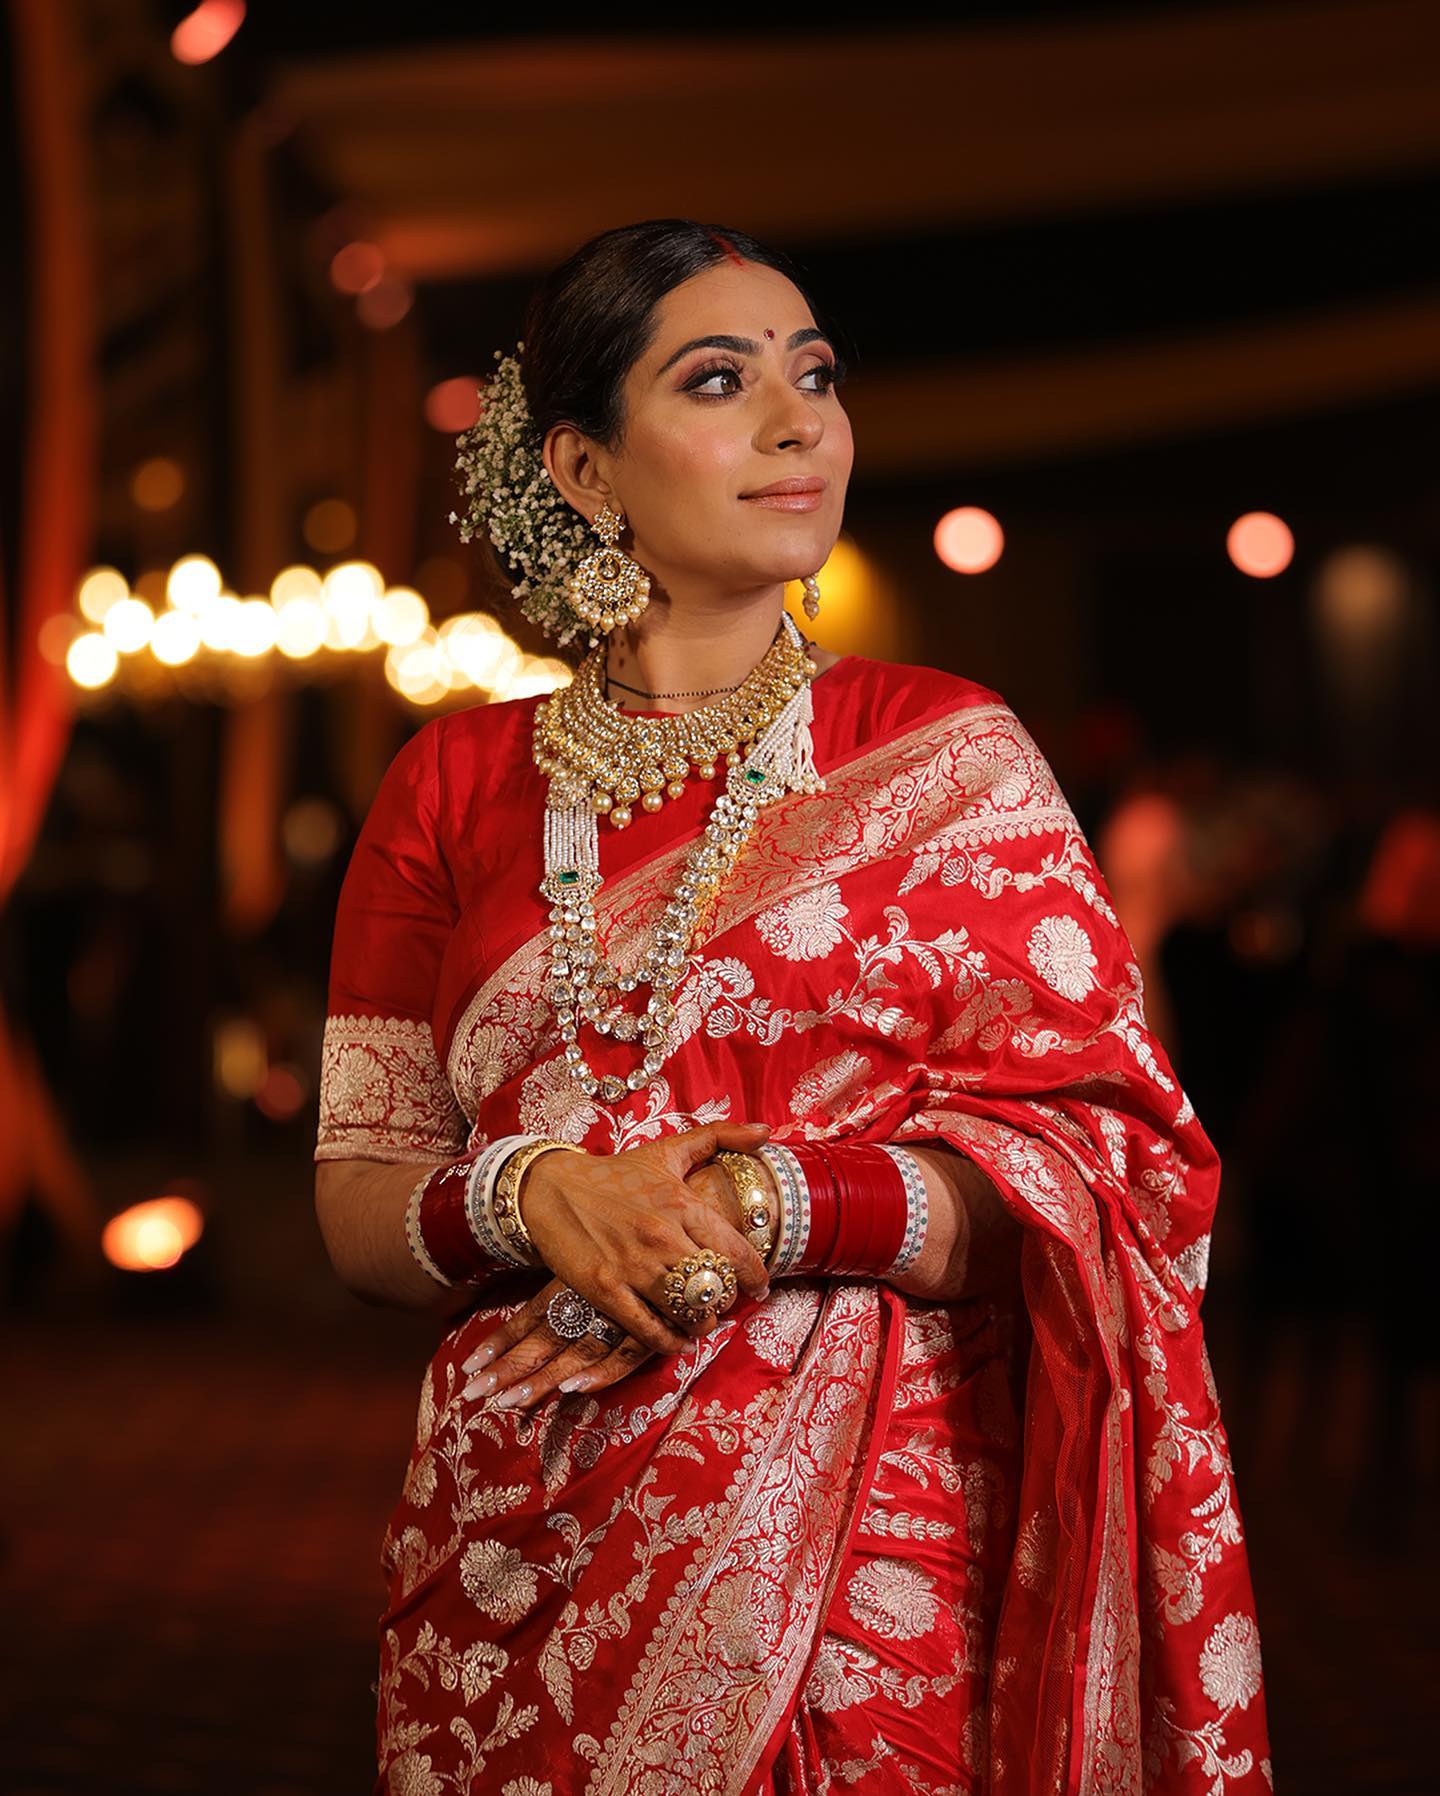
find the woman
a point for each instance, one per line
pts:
(960, 1521)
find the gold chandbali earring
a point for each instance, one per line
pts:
(609, 587)
(811, 601)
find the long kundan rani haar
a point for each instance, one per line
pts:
(599, 759)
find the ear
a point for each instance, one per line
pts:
(569, 456)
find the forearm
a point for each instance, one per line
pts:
(360, 1206)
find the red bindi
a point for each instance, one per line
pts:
(769, 332)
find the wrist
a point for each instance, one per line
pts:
(857, 1208)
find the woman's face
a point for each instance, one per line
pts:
(707, 423)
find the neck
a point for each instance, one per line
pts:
(691, 648)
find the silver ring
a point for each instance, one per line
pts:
(607, 1331)
(569, 1314)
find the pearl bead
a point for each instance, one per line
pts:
(652, 801)
(620, 816)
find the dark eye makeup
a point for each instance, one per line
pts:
(832, 373)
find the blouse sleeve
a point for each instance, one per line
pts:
(383, 1091)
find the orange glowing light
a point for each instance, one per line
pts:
(157, 484)
(330, 526)
(384, 304)
(453, 405)
(1260, 544)
(357, 268)
(969, 540)
(204, 33)
(282, 1094)
(151, 1236)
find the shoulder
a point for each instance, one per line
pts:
(893, 694)
(475, 746)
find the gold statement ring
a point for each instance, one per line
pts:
(700, 1285)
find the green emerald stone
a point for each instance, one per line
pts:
(568, 877)
(754, 775)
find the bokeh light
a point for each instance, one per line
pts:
(329, 526)
(239, 1057)
(453, 405)
(400, 615)
(157, 484)
(356, 268)
(91, 660)
(969, 540)
(101, 588)
(1260, 544)
(128, 625)
(385, 304)
(204, 33)
(152, 1236)
(175, 638)
(193, 583)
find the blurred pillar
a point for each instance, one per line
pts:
(57, 498)
(258, 729)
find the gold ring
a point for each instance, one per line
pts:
(699, 1285)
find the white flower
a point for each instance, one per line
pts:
(497, 1580)
(806, 927)
(894, 1598)
(1230, 1663)
(411, 1775)
(510, 497)
(1061, 954)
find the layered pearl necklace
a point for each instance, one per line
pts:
(599, 760)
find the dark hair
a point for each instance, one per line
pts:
(593, 317)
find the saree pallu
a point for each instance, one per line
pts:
(849, 1540)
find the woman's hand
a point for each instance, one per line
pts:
(660, 1193)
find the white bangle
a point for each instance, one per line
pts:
(917, 1208)
(480, 1195)
(416, 1240)
(792, 1233)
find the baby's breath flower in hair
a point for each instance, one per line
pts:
(510, 497)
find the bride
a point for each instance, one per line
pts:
(738, 1054)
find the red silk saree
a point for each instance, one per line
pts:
(850, 1540)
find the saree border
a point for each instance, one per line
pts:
(852, 1315)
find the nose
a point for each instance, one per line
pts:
(794, 420)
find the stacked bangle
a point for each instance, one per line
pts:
(853, 1207)
(463, 1221)
(505, 1197)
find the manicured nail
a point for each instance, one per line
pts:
(517, 1393)
(579, 1382)
(478, 1387)
(760, 1296)
(482, 1356)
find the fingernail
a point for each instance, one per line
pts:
(482, 1356)
(577, 1383)
(760, 1296)
(478, 1387)
(517, 1393)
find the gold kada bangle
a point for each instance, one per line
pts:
(757, 1223)
(506, 1205)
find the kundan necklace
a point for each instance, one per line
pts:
(600, 760)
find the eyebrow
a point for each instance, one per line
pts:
(742, 345)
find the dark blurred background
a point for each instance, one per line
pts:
(1146, 301)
